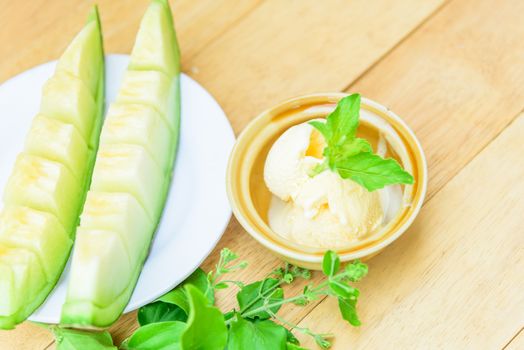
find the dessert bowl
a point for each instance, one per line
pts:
(250, 198)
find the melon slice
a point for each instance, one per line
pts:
(44, 185)
(131, 178)
(100, 260)
(20, 285)
(46, 190)
(58, 141)
(119, 213)
(129, 169)
(140, 125)
(39, 232)
(151, 88)
(155, 47)
(67, 98)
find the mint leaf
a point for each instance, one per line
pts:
(330, 263)
(348, 310)
(254, 295)
(206, 327)
(372, 171)
(159, 311)
(352, 157)
(356, 270)
(244, 334)
(158, 336)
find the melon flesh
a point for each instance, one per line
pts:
(83, 58)
(58, 141)
(44, 185)
(47, 187)
(155, 47)
(67, 98)
(139, 125)
(151, 88)
(38, 232)
(129, 169)
(130, 180)
(119, 213)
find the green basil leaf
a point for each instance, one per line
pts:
(206, 328)
(156, 336)
(343, 121)
(348, 309)
(70, 339)
(372, 171)
(159, 311)
(330, 263)
(322, 128)
(256, 335)
(252, 296)
(178, 295)
(343, 290)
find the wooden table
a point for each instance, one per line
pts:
(454, 70)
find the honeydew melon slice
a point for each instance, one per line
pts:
(151, 88)
(119, 213)
(100, 270)
(44, 185)
(58, 141)
(66, 98)
(125, 165)
(129, 169)
(155, 47)
(22, 279)
(43, 189)
(141, 125)
(39, 232)
(83, 58)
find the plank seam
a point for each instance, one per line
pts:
(513, 338)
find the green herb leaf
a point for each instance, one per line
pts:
(356, 270)
(156, 336)
(352, 157)
(372, 171)
(256, 335)
(253, 296)
(330, 263)
(178, 295)
(70, 339)
(342, 290)
(160, 312)
(348, 309)
(206, 328)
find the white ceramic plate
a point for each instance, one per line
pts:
(197, 210)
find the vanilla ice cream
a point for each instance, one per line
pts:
(323, 211)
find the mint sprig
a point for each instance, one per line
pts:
(352, 157)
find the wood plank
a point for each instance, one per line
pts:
(279, 51)
(457, 81)
(454, 281)
(517, 343)
(37, 31)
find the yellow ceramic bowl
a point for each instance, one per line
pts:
(250, 198)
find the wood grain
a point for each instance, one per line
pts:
(38, 31)
(454, 280)
(279, 51)
(517, 342)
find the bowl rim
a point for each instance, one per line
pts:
(367, 251)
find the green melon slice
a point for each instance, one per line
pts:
(38, 232)
(46, 190)
(129, 169)
(131, 178)
(60, 142)
(120, 213)
(139, 125)
(156, 47)
(45, 185)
